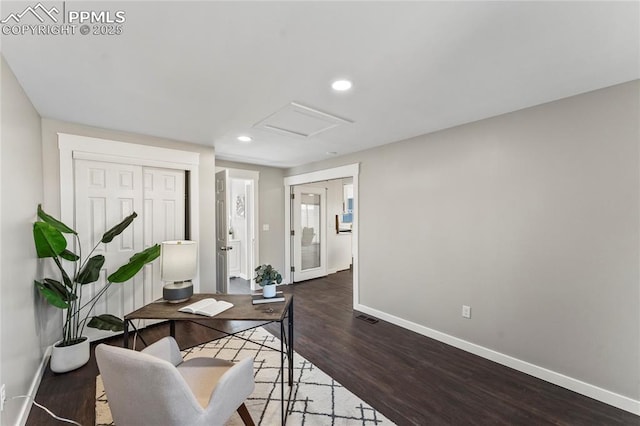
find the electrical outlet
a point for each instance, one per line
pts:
(466, 311)
(3, 397)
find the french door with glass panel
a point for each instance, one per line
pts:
(309, 217)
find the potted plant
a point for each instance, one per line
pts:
(268, 277)
(66, 292)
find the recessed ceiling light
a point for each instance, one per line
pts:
(332, 153)
(244, 138)
(341, 85)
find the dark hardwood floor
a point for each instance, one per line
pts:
(411, 379)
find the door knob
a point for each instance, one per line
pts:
(226, 248)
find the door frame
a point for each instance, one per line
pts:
(351, 170)
(254, 176)
(88, 148)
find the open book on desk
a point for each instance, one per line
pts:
(207, 307)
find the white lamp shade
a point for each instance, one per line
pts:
(178, 260)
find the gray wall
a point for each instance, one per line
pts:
(529, 217)
(22, 342)
(271, 211)
(51, 168)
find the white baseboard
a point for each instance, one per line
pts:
(33, 389)
(575, 385)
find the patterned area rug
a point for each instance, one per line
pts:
(316, 398)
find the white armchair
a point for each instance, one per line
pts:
(156, 387)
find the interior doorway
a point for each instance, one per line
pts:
(322, 218)
(343, 223)
(237, 228)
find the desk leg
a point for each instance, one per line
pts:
(125, 335)
(286, 334)
(282, 405)
(290, 340)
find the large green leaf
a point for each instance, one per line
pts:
(137, 261)
(48, 240)
(60, 289)
(106, 322)
(116, 230)
(70, 256)
(147, 255)
(54, 222)
(52, 296)
(91, 271)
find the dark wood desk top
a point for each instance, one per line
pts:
(243, 309)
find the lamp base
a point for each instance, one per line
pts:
(177, 292)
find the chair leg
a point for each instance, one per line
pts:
(244, 414)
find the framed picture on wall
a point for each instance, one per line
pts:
(344, 220)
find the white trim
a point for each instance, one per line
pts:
(350, 170)
(240, 173)
(84, 147)
(149, 162)
(33, 389)
(327, 174)
(88, 144)
(575, 385)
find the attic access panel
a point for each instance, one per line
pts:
(300, 121)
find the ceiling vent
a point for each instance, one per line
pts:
(300, 121)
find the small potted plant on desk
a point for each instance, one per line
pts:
(66, 293)
(268, 277)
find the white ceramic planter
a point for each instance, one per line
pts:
(269, 291)
(67, 358)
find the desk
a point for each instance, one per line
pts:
(242, 310)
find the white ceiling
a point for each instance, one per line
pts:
(206, 72)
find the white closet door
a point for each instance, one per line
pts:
(164, 210)
(106, 193)
(163, 219)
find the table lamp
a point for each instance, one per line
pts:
(178, 266)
